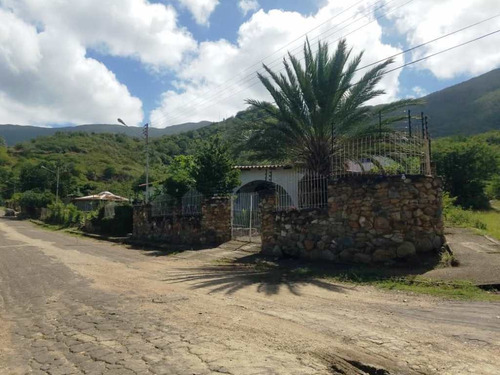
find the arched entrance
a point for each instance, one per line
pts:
(245, 219)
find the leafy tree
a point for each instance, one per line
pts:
(493, 188)
(34, 177)
(318, 102)
(213, 170)
(465, 166)
(179, 176)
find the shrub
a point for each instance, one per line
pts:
(63, 214)
(30, 202)
(457, 216)
(466, 166)
(118, 225)
(493, 188)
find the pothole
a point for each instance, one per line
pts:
(364, 369)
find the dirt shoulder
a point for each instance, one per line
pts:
(221, 317)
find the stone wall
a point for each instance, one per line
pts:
(211, 227)
(368, 219)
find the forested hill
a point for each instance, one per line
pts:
(470, 107)
(18, 133)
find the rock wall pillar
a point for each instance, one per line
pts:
(141, 221)
(267, 208)
(216, 220)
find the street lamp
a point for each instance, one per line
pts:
(56, 172)
(146, 135)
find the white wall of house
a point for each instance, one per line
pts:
(287, 178)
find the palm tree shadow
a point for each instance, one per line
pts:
(269, 277)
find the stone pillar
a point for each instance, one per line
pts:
(216, 220)
(267, 208)
(141, 221)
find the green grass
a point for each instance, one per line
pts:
(293, 271)
(485, 222)
(463, 290)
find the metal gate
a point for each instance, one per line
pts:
(245, 218)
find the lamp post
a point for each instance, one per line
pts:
(56, 172)
(146, 135)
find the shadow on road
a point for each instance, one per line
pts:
(230, 276)
(270, 275)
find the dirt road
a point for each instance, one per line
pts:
(70, 306)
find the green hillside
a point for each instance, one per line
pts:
(471, 107)
(18, 133)
(94, 161)
(88, 162)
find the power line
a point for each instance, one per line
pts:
(247, 78)
(428, 57)
(425, 58)
(414, 48)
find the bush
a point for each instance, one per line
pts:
(493, 188)
(466, 166)
(63, 214)
(30, 202)
(457, 216)
(119, 225)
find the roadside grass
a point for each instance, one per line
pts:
(463, 290)
(394, 279)
(484, 222)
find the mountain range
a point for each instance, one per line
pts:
(20, 133)
(470, 107)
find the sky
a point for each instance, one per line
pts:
(166, 62)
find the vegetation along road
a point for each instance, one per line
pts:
(70, 306)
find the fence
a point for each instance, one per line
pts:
(245, 219)
(166, 205)
(383, 154)
(306, 189)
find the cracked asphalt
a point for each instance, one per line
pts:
(70, 305)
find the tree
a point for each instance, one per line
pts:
(34, 177)
(179, 177)
(317, 103)
(465, 166)
(213, 170)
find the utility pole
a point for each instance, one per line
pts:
(57, 184)
(146, 135)
(57, 173)
(409, 122)
(145, 132)
(380, 123)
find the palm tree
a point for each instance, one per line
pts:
(317, 103)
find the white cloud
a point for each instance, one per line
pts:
(46, 78)
(198, 95)
(419, 91)
(200, 9)
(442, 17)
(127, 28)
(248, 6)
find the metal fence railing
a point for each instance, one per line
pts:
(191, 203)
(382, 154)
(166, 205)
(304, 189)
(245, 217)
